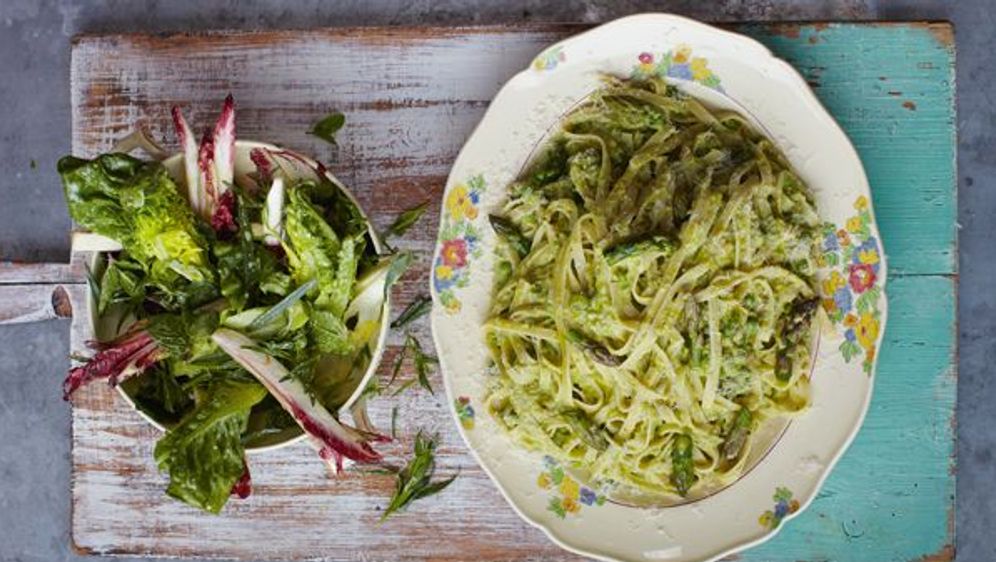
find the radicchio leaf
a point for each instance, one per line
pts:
(188, 143)
(243, 486)
(224, 146)
(206, 171)
(128, 355)
(223, 217)
(264, 166)
(331, 439)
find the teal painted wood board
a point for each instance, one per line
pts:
(891, 87)
(411, 96)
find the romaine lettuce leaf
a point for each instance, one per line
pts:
(137, 204)
(204, 453)
(313, 245)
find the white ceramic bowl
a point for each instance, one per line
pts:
(725, 70)
(104, 328)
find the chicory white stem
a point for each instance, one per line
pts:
(224, 146)
(274, 213)
(195, 191)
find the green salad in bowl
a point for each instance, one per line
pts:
(243, 305)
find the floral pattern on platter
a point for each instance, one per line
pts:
(678, 64)
(549, 59)
(465, 412)
(785, 505)
(567, 495)
(459, 241)
(852, 290)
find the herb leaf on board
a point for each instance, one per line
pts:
(417, 309)
(406, 220)
(414, 481)
(328, 126)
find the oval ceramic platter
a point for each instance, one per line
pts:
(724, 70)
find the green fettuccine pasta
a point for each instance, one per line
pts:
(655, 292)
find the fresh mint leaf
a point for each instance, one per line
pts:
(328, 126)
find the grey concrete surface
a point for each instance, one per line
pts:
(34, 132)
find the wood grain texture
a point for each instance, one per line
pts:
(33, 303)
(411, 97)
(12, 273)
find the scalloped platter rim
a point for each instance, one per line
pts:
(723, 69)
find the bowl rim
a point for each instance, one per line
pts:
(765, 56)
(385, 316)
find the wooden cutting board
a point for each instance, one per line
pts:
(411, 97)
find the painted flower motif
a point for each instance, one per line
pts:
(570, 488)
(785, 505)
(548, 60)
(700, 70)
(444, 272)
(850, 292)
(682, 54)
(681, 71)
(571, 505)
(588, 496)
(567, 495)
(461, 203)
(868, 257)
(459, 238)
(833, 283)
(465, 412)
(679, 64)
(830, 243)
(544, 481)
(862, 277)
(454, 253)
(842, 300)
(854, 224)
(867, 331)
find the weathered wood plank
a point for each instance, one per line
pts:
(12, 273)
(32, 303)
(411, 97)
(891, 88)
(891, 496)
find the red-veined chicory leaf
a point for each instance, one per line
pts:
(243, 486)
(264, 167)
(331, 439)
(128, 355)
(224, 146)
(188, 144)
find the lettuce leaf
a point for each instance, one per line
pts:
(312, 244)
(121, 282)
(204, 454)
(137, 204)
